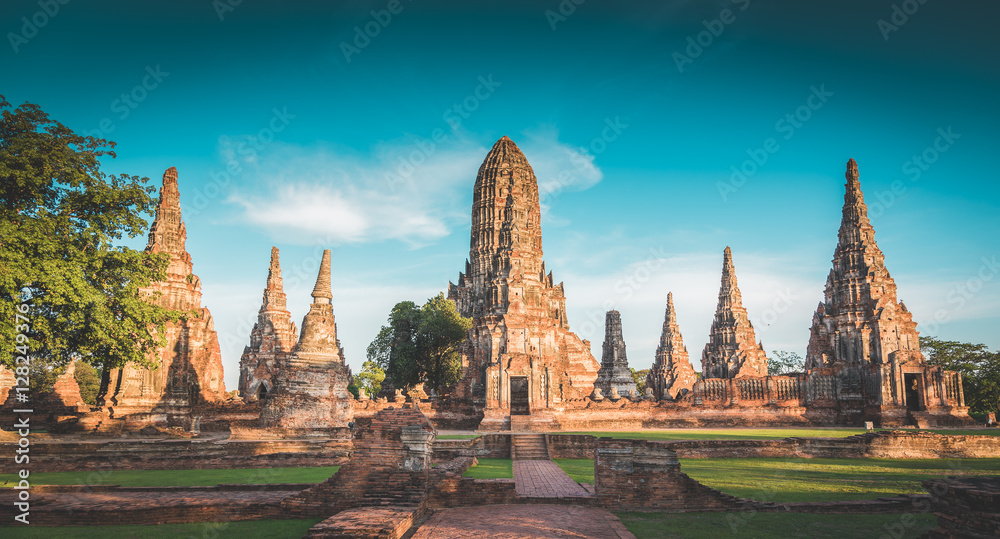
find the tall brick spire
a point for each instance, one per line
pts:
(273, 336)
(168, 234)
(190, 365)
(672, 373)
(318, 340)
(614, 371)
(506, 242)
(322, 290)
(520, 330)
(310, 389)
(860, 320)
(732, 349)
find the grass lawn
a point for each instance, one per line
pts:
(491, 469)
(767, 525)
(177, 478)
(580, 470)
(809, 480)
(250, 529)
(792, 480)
(758, 434)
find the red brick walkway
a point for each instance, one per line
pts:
(544, 479)
(523, 521)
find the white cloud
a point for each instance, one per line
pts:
(411, 190)
(559, 167)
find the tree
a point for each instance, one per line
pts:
(979, 367)
(89, 380)
(782, 362)
(394, 349)
(59, 217)
(370, 378)
(441, 332)
(421, 344)
(640, 379)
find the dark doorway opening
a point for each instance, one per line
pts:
(519, 396)
(261, 392)
(912, 390)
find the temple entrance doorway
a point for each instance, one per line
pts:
(911, 383)
(261, 392)
(519, 396)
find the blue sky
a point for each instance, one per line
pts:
(289, 129)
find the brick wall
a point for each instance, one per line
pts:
(384, 470)
(886, 444)
(54, 456)
(641, 475)
(965, 507)
(494, 446)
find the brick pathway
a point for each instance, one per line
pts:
(544, 479)
(523, 521)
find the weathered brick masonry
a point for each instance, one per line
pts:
(967, 507)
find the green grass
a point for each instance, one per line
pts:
(801, 480)
(810, 480)
(760, 434)
(250, 529)
(580, 470)
(768, 525)
(177, 478)
(491, 469)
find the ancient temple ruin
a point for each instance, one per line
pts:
(189, 368)
(272, 338)
(866, 337)
(732, 350)
(310, 387)
(672, 375)
(614, 377)
(520, 357)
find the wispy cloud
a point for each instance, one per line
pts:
(411, 190)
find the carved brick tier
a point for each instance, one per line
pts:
(310, 389)
(271, 340)
(864, 335)
(65, 396)
(860, 321)
(190, 365)
(614, 372)
(520, 337)
(672, 375)
(732, 349)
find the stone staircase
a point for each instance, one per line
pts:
(528, 447)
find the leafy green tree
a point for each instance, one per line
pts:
(640, 379)
(370, 378)
(59, 218)
(421, 344)
(441, 333)
(782, 362)
(394, 349)
(979, 366)
(89, 380)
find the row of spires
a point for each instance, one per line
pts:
(732, 349)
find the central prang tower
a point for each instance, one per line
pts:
(520, 357)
